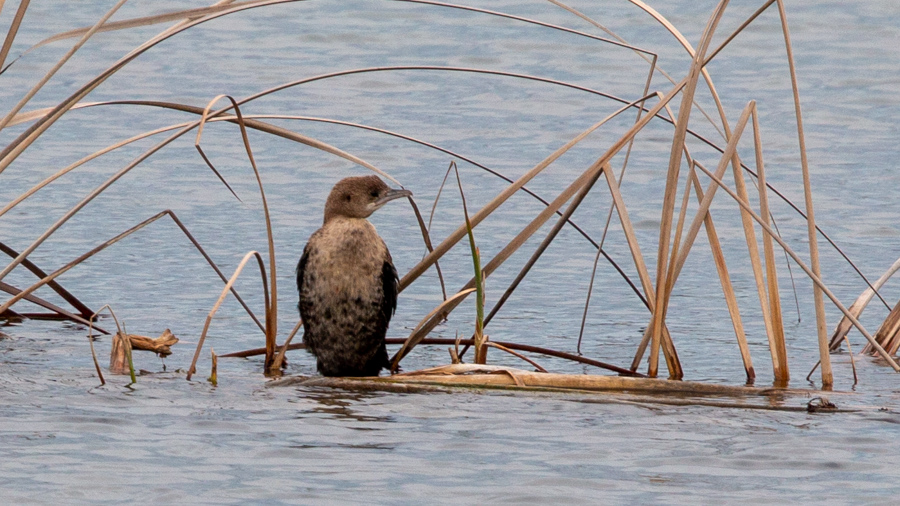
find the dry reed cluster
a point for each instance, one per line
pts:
(687, 179)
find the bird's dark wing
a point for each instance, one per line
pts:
(301, 267)
(390, 284)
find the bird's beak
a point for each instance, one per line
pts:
(391, 195)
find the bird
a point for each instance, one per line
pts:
(347, 282)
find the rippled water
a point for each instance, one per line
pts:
(64, 438)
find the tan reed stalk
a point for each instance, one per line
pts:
(887, 333)
(779, 366)
(189, 14)
(5, 287)
(821, 324)
(262, 270)
(279, 359)
(815, 279)
(40, 84)
(516, 354)
(721, 270)
(768, 247)
(451, 240)
(29, 136)
(643, 274)
(272, 298)
(684, 111)
(13, 30)
(859, 305)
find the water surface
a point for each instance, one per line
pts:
(168, 440)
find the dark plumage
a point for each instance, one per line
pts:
(347, 282)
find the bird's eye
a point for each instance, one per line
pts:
(374, 194)
(348, 197)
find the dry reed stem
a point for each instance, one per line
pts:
(887, 333)
(442, 248)
(62, 270)
(125, 24)
(725, 282)
(768, 247)
(699, 217)
(30, 135)
(262, 270)
(475, 375)
(860, 304)
(779, 365)
(643, 274)
(543, 216)
(10, 289)
(13, 30)
(279, 359)
(40, 84)
(56, 287)
(662, 269)
(821, 324)
(530, 21)
(815, 279)
(468, 342)
(441, 310)
(272, 298)
(120, 354)
(515, 354)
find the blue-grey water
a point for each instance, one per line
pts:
(65, 438)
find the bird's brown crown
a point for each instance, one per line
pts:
(359, 197)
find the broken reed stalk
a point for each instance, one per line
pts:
(262, 270)
(859, 305)
(479, 337)
(213, 376)
(774, 295)
(278, 363)
(815, 279)
(120, 354)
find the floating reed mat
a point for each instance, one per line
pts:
(597, 388)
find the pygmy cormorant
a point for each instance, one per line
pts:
(348, 283)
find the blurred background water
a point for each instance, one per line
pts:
(165, 439)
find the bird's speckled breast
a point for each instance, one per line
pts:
(349, 252)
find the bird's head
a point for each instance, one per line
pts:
(359, 197)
